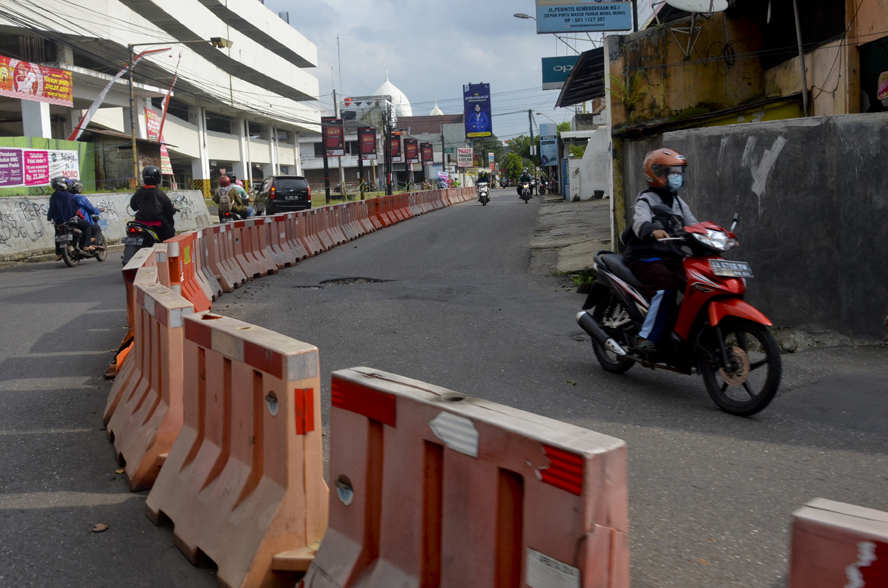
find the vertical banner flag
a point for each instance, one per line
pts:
(463, 157)
(334, 136)
(396, 147)
(166, 100)
(492, 161)
(548, 144)
(154, 124)
(411, 150)
(29, 81)
(428, 153)
(367, 143)
(476, 102)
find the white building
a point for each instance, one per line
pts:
(236, 108)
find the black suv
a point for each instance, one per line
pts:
(283, 194)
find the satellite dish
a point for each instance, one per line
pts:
(702, 6)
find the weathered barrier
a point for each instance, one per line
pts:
(434, 488)
(836, 544)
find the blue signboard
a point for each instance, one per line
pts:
(572, 16)
(556, 70)
(476, 99)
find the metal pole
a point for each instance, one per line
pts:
(532, 150)
(132, 105)
(342, 189)
(795, 8)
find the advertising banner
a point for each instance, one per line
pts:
(396, 147)
(153, 124)
(476, 102)
(29, 81)
(556, 70)
(367, 142)
(35, 167)
(411, 150)
(548, 151)
(464, 157)
(580, 16)
(333, 131)
(428, 152)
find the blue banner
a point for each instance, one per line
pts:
(556, 70)
(476, 100)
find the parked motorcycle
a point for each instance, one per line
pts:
(483, 193)
(544, 188)
(526, 192)
(715, 332)
(67, 236)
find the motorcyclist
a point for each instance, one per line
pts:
(152, 206)
(525, 177)
(658, 265)
(241, 192)
(62, 209)
(236, 204)
(86, 210)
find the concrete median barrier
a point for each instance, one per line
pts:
(433, 488)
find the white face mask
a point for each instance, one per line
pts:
(675, 182)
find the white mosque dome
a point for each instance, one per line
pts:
(436, 111)
(399, 100)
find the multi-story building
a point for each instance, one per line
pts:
(232, 108)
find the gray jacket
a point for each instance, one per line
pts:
(644, 223)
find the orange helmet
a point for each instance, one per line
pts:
(657, 164)
(224, 180)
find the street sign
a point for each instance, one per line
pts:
(578, 16)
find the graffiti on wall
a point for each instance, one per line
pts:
(22, 219)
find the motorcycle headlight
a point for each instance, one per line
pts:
(717, 240)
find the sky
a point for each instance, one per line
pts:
(430, 49)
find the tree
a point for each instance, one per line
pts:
(562, 127)
(491, 144)
(511, 165)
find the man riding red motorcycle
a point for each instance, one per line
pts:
(714, 333)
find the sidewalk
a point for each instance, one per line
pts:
(568, 234)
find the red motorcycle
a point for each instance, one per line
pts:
(715, 333)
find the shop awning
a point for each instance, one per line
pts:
(586, 79)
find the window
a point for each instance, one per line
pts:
(319, 150)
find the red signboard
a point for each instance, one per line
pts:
(29, 81)
(428, 153)
(411, 150)
(334, 136)
(396, 147)
(367, 141)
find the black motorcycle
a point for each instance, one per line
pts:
(67, 237)
(526, 192)
(139, 236)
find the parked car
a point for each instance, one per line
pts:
(283, 194)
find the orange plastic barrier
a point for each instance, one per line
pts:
(276, 237)
(211, 284)
(319, 226)
(148, 418)
(332, 223)
(308, 238)
(243, 483)
(433, 488)
(256, 240)
(376, 214)
(220, 250)
(838, 545)
(293, 226)
(355, 213)
(182, 264)
(363, 208)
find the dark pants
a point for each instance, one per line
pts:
(85, 237)
(662, 280)
(166, 231)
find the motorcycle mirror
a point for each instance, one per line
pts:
(736, 220)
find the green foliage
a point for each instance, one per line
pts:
(511, 165)
(563, 127)
(491, 144)
(586, 276)
(632, 91)
(577, 151)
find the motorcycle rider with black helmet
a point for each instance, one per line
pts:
(525, 177)
(152, 206)
(63, 209)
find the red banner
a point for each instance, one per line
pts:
(396, 147)
(367, 141)
(334, 136)
(29, 81)
(428, 152)
(411, 150)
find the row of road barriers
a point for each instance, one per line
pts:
(221, 420)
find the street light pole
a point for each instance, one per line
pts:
(533, 154)
(524, 16)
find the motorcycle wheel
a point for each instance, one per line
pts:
(69, 256)
(750, 381)
(128, 252)
(609, 360)
(101, 254)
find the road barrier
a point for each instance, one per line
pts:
(434, 488)
(182, 267)
(243, 482)
(836, 544)
(148, 416)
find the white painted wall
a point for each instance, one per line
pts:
(222, 146)
(592, 172)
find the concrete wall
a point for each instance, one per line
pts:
(813, 209)
(592, 172)
(24, 230)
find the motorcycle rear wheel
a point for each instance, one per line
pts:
(101, 254)
(69, 256)
(129, 251)
(609, 360)
(750, 382)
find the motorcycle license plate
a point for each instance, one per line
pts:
(730, 269)
(63, 238)
(131, 241)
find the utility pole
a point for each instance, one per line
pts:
(132, 105)
(337, 114)
(360, 167)
(443, 156)
(326, 164)
(388, 149)
(532, 148)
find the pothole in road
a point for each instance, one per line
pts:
(351, 281)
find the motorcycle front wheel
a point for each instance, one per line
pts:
(749, 381)
(610, 312)
(69, 256)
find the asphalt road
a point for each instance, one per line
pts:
(445, 298)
